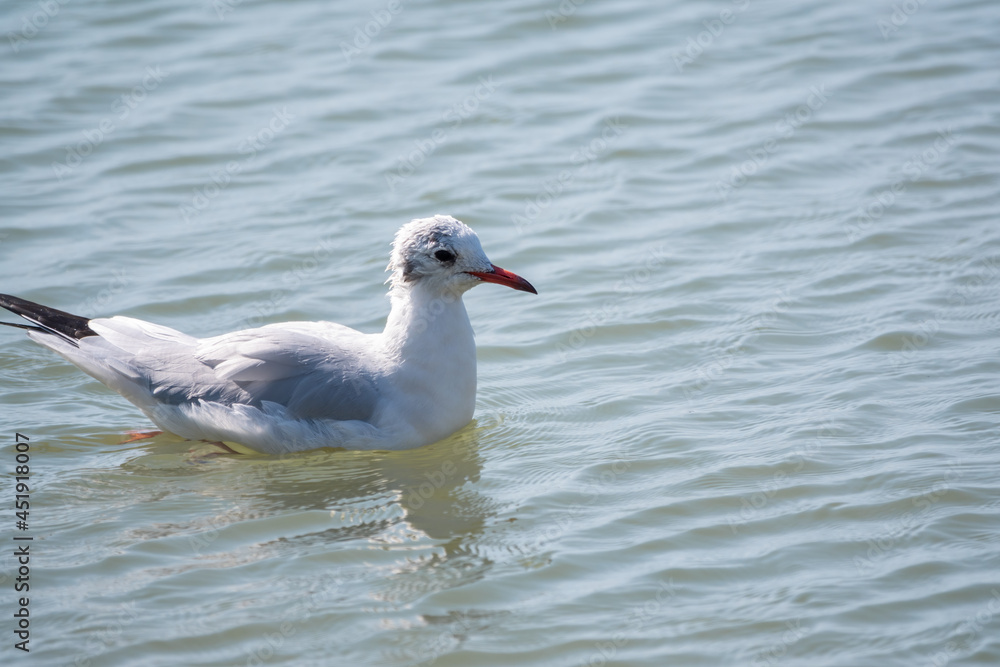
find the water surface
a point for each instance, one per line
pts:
(751, 418)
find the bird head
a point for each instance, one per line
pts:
(445, 254)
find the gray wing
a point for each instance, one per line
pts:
(315, 370)
(313, 376)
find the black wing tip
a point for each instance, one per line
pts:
(29, 327)
(48, 320)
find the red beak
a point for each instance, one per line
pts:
(504, 277)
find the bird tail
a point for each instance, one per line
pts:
(71, 337)
(66, 326)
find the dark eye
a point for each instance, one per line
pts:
(444, 256)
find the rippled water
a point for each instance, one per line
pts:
(752, 417)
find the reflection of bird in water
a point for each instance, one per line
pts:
(379, 496)
(339, 528)
(303, 385)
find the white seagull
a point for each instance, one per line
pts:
(301, 385)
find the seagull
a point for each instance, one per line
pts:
(297, 386)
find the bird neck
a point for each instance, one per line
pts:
(425, 322)
(431, 350)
